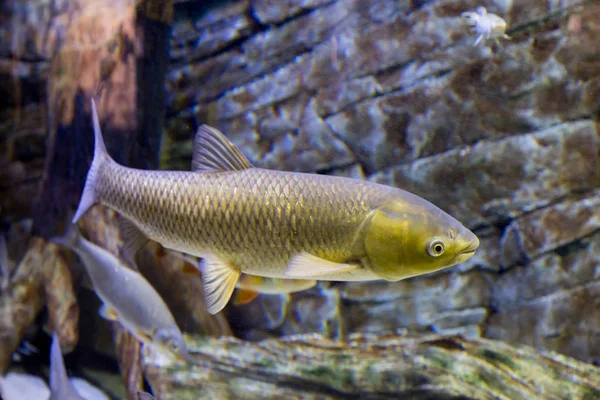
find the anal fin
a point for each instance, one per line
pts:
(133, 238)
(306, 265)
(219, 282)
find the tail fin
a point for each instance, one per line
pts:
(58, 373)
(70, 238)
(89, 196)
(60, 386)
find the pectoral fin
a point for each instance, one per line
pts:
(219, 281)
(243, 296)
(308, 266)
(108, 313)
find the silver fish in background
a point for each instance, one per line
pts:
(275, 224)
(127, 296)
(60, 385)
(486, 25)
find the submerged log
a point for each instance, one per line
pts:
(394, 366)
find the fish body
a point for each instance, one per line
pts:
(256, 227)
(60, 385)
(127, 296)
(487, 25)
(274, 224)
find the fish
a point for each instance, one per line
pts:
(250, 286)
(127, 296)
(276, 224)
(487, 25)
(60, 385)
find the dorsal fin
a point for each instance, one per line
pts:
(214, 152)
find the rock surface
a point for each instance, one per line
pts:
(504, 136)
(370, 367)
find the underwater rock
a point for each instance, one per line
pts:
(550, 228)
(395, 84)
(270, 12)
(370, 367)
(217, 29)
(495, 181)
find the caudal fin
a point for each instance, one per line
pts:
(89, 196)
(60, 386)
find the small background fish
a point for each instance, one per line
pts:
(127, 296)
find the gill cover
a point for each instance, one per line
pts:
(403, 243)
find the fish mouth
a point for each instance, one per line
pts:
(470, 249)
(467, 254)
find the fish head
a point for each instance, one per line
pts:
(171, 340)
(413, 237)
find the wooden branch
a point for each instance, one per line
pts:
(371, 367)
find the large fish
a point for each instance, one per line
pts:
(275, 224)
(127, 296)
(60, 385)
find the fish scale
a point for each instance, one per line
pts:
(213, 207)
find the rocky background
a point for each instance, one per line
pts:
(504, 136)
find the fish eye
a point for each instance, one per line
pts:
(436, 248)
